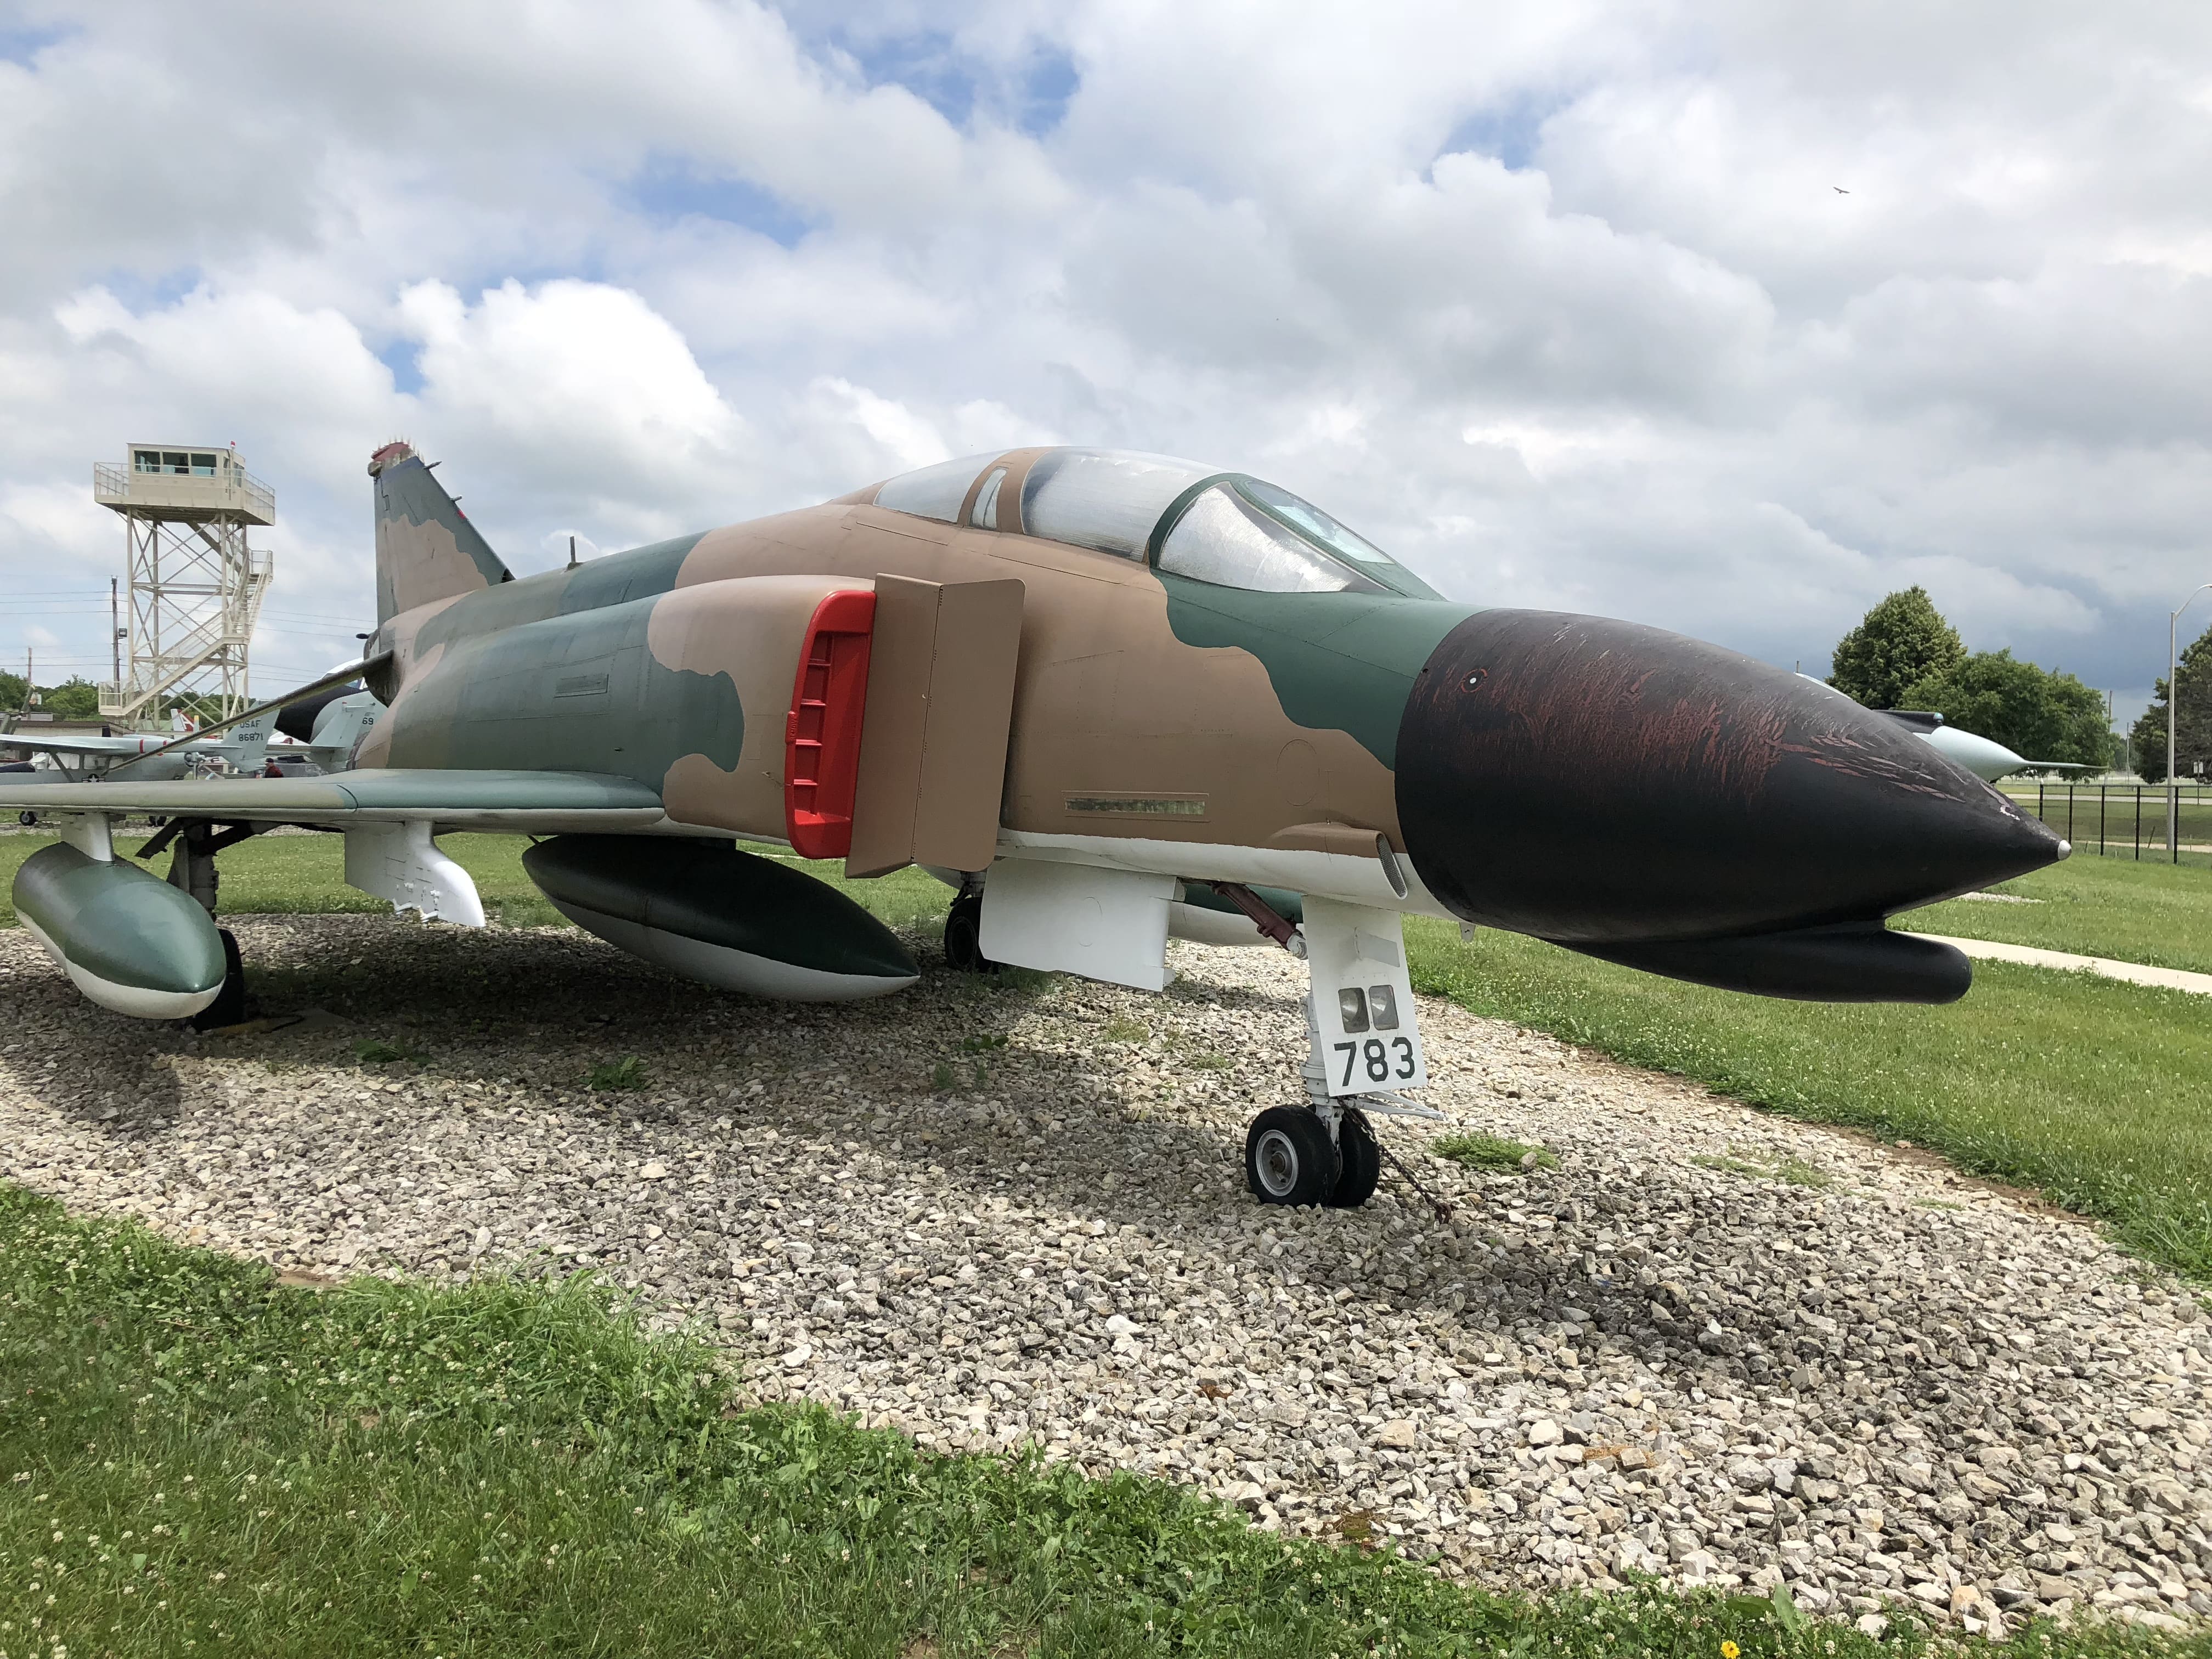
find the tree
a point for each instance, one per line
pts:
(74, 699)
(1900, 642)
(2192, 718)
(13, 692)
(2037, 714)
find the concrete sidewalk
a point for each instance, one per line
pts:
(2166, 978)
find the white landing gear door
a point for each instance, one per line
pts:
(1363, 1000)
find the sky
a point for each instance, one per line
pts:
(1729, 318)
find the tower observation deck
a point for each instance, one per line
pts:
(195, 585)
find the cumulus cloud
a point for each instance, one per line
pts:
(1561, 302)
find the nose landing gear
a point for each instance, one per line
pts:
(1360, 1035)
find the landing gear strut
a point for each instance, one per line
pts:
(964, 936)
(1360, 1038)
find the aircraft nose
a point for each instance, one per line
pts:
(1599, 782)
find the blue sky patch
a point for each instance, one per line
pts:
(404, 359)
(1509, 132)
(1048, 88)
(21, 46)
(141, 291)
(669, 188)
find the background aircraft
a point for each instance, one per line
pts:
(76, 756)
(1084, 685)
(1984, 757)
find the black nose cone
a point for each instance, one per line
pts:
(1599, 782)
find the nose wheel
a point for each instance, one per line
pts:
(1289, 1158)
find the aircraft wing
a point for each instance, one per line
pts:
(537, 803)
(83, 743)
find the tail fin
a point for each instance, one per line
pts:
(425, 548)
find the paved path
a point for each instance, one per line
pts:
(2170, 979)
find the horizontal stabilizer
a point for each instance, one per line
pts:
(1859, 962)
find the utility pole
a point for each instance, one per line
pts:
(2173, 701)
(114, 629)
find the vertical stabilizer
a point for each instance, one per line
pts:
(425, 549)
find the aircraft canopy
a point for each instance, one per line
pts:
(1182, 517)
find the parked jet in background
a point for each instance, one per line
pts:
(1084, 685)
(1985, 758)
(77, 756)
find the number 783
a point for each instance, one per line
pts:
(1378, 1058)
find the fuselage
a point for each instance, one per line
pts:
(1147, 707)
(1598, 783)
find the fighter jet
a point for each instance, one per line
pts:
(1108, 697)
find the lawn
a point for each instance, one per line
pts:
(2157, 914)
(200, 1460)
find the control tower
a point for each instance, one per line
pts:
(195, 585)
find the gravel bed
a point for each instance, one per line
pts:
(1711, 1344)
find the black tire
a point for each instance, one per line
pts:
(229, 1007)
(1289, 1158)
(1359, 1159)
(963, 937)
(28, 820)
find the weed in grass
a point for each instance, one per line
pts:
(1122, 1028)
(627, 1072)
(1480, 1152)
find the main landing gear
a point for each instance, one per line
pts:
(1362, 1045)
(963, 935)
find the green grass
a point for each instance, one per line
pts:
(1794, 1169)
(195, 1460)
(627, 1072)
(305, 875)
(1480, 1152)
(2157, 914)
(2092, 1091)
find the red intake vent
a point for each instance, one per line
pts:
(821, 739)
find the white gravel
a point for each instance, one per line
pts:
(1714, 1346)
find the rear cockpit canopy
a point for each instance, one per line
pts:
(1180, 517)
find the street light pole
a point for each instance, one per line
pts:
(2172, 701)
